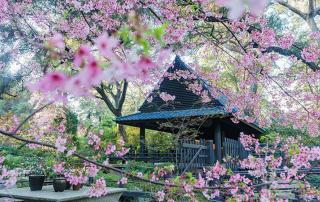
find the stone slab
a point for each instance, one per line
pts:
(48, 194)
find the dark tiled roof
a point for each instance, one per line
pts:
(185, 99)
(172, 114)
(186, 103)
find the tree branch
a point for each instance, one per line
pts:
(123, 95)
(287, 52)
(106, 99)
(293, 9)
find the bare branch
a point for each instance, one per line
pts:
(293, 9)
(106, 99)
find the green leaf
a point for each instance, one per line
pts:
(145, 45)
(124, 34)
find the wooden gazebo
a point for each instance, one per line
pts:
(187, 105)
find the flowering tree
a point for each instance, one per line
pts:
(94, 48)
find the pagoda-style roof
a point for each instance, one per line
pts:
(181, 82)
(175, 82)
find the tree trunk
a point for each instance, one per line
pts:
(122, 132)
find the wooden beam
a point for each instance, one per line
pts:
(142, 141)
(211, 157)
(217, 141)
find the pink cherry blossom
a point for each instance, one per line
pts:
(82, 54)
(57, 41)
(122, 181)
(110, 149)
(238, 7)
(50, 82)
(9, 177)
(105, 45)
(167, 97)
(98, 189)
(286, 41)
(122, 152)
(76, 179)
(61, 128)
(200, 182)
(311, 53)
(121, 142)
(160, 196)
(58, 168)
(61, 144)
(216, 171)
(92, 170)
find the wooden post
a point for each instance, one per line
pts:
(211, 157)
(142, 142)
(217, 141)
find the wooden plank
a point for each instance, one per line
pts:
(217, 140)
(142, 141)
(190, 163)
(194, 146)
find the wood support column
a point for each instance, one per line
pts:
(217, 141)
(211, 157)
(142, 142)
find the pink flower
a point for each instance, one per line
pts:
(82, 54)
(200, 182)
(216, 171)
(71, 152)
(9, 177)
(98, 189)
(61, 144)
(121, 142)
(94, 140)
(123, 181)
(238, 7)
(93, 170)
(50, 82)
(160, 196)
(143, 67)
(286, 41)
(167, 97)
(265, 38)
(311, 53)
(76, 180)
(110, 149)
(248, 141)
(91, 75)
(123, 152)
(57, 41)
(58, 168)
(77, 86)
(105, 45)
(61, 128)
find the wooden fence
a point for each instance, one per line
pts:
(193, 154)
(233, 152)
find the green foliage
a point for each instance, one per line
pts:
(289, 131)
(71, 122)
(155, 140)
(37, 161)
(138, 166)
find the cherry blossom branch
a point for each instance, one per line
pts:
(30, 116)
